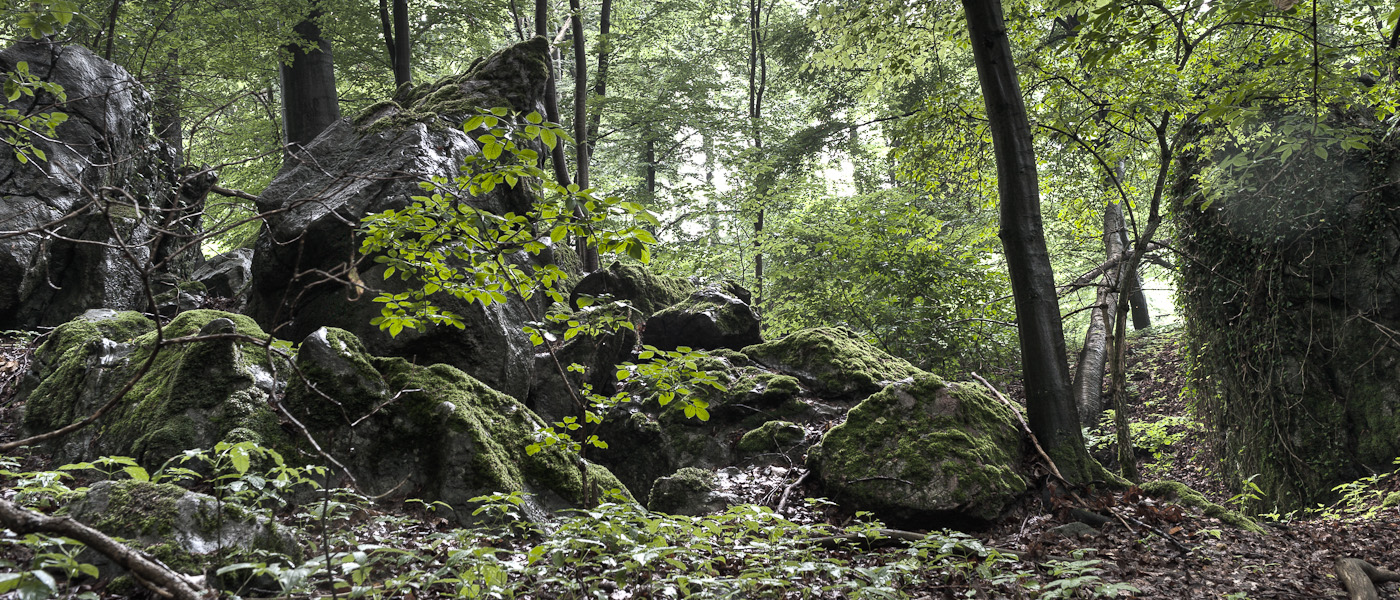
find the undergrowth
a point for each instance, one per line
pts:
(352, 548)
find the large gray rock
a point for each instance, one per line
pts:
(924, 454)
(375, 164)
(50, 275)
(709, 319)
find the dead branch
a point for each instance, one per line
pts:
(159, 578)
(1024, 428)
(782, 502)
(232, 193)
(1360, 578)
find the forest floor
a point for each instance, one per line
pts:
(1148, 549)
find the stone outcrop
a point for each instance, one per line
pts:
(834, 362)
(924, 453)
(307, 272)
(708, 319)
(59, 267)
(430, 432)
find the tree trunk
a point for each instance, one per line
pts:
(403, 46)
(600, 85)
(758, 80)
(111, 28)
(1142, 318)
(309, 98)
(587, 253)
(1093, 358)
(1049, 403)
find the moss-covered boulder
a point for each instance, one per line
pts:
(708, 319)
(689, 491)
(187, 531)
(194, 395)
(645, 291)
(924, 453)
(772, 436)
(417, 431)
(834, 362)
(430, 432)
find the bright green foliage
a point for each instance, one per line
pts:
(448, 245)
(20, 128)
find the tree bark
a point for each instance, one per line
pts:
(309, 99)
(111, 28)
(758, 80)
(600, 85)
(1093, 358)
(1049, 403)
(587, 253)
(1359, 578)
(403, 46)
(165, 111)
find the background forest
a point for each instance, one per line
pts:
(1223, 171)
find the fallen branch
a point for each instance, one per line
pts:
(1360, 578)
(782, 502)
(223, 191)
(159, 578)
(886, 538)
(1024, 428)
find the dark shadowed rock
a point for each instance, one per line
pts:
(709, 319)
(375, 164)
(106, 142)
(648, 293)
(227, 275)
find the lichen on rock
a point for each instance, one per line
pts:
(924, 451)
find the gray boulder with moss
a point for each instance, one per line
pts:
(402, 429)
(373, 164)
(924, 454)
(708, 319)
(689, 491)
(833, 361)
(643, 290)
(187, 531)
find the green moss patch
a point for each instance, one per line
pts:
(770, 437)
(924, 451)
(834, 362)
(1183, 494)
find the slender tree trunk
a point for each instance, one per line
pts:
(600, 85)
(165, 112)
(758, 79)
(309, 98)
(403, 46)
(1094, 358)
(515, 16)
(587, 253)
(1049, 403)
(111, 28)
(649, 169)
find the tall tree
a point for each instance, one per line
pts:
(758, 82)
(310, 101)
(588, 253)
(1049, 403)
(398, 41)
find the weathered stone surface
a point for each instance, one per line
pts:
(772, 436)
(376, 164)
(183, 529)
(420, 431)
(689, 491)
(924, 453)
(227, 275)
(106, 141)
(834, 362)
(708, 319)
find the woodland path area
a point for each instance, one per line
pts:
(1204, 558)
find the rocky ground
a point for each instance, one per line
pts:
(1159, 549)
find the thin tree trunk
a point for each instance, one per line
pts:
(111, 28)
(403, 46)
(387, 24)
(515, 16)
(587, 253)
(309, 99)
(1050, 406)
(1094, 357)
(758, 79)
(1142, 317)
(600, 85)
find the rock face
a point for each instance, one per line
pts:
(688, 491)
(923, 453)
(106, 141)
(181, 528)
(375, 164)
(1292, 302)
(228, 275)
(709, 319)
(430, 432)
